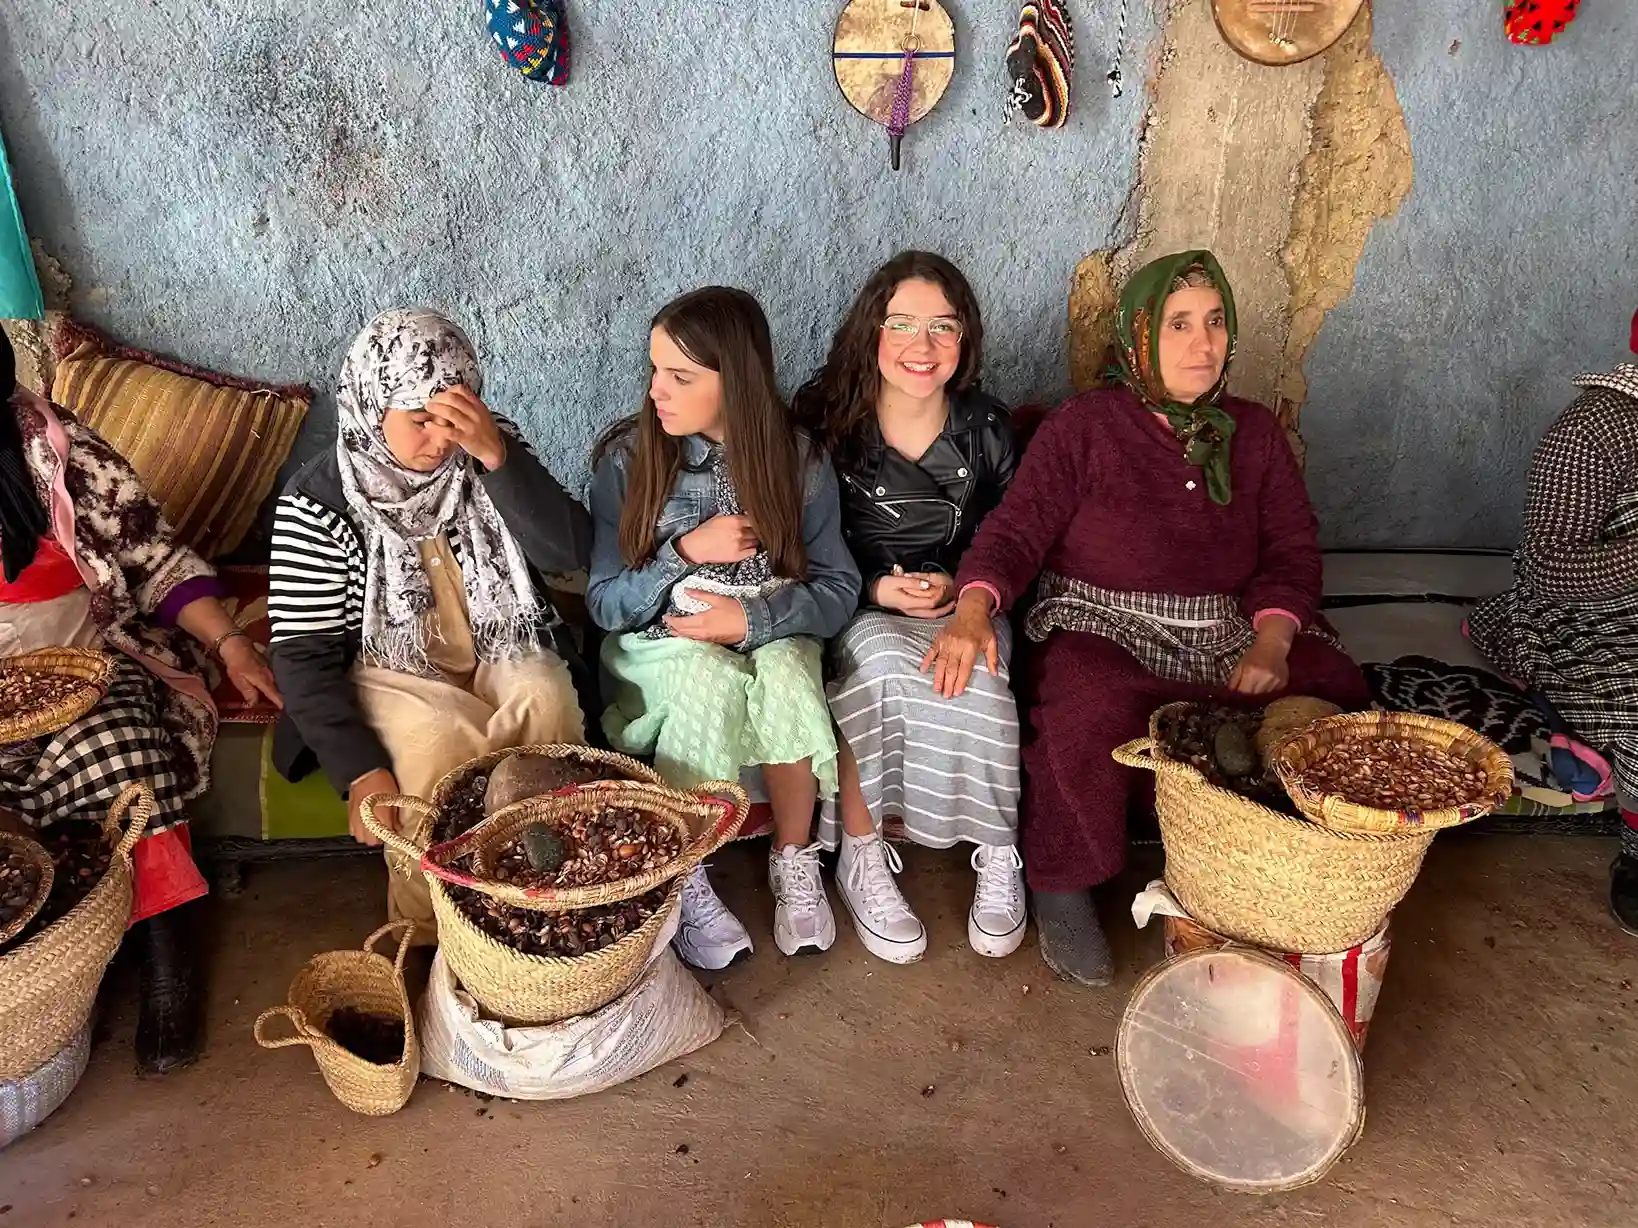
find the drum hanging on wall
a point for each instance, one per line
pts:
(893, 61)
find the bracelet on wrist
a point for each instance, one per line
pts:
(237, 633)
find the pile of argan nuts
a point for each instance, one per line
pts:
(557, 933)
(25, 691)
(601, 846)
(19, 883)
(1394, 774)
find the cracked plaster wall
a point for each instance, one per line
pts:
(1432, 228)
(1510, 266)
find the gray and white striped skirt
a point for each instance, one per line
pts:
(948, 768)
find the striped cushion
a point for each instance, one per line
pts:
(208, 453)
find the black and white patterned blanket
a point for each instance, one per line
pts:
(1484, 702)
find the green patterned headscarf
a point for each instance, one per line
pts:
(1203, 425)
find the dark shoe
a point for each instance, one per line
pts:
(170, 1029)
(1624, 892)
(1072, 942)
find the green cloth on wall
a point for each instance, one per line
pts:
(309, 809)
(19, 284)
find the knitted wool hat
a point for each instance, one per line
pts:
(1041, 62)
(533, 37)
(1539, 22)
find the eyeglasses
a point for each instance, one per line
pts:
(941, 330)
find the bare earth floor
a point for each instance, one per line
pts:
(1502, 1080)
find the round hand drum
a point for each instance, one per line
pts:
(1240, 1070)
(868, 55)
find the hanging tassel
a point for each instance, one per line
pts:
(898, 118)
(1120, 52)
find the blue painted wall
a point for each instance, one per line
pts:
(243, 188)
(244, 185)
(1512, 266)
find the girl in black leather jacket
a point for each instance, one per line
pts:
(922, 455)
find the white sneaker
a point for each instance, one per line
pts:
(995, 926)
(708, 935)
(885, 924)
(802, 918)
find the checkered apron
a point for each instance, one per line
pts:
(1181, 639)
(78, 771)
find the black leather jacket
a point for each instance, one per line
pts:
(922, 514)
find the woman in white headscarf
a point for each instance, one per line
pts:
(410, 628)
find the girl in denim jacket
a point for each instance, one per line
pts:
(719, 565)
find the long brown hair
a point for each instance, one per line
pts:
(838, 404)
(724, 330)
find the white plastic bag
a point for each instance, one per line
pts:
(664, 1016)
(26, 1102)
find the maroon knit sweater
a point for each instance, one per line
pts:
(1104, 496)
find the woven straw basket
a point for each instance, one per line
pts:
(48, 985)
(618, 766)
(1312, 743)
(367, 981)
(93, 669)
(1256, 875)
(30, 852)
(715, 821)
(520, 988)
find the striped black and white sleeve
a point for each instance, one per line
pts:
(316, 577)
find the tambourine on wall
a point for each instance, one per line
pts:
(894, 59)
(1281, 32)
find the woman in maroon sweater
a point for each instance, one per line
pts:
(1177, 556)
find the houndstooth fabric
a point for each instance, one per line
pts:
(79, 771)
(1569, 625)
(1581, 506)
(1181, 639)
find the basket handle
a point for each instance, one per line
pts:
(140, 798)
(387, 835)
(736, 804)
(409, 927)
(436, 860)
(1138, 753)
(298, 1020)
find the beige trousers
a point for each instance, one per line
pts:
(430, 726)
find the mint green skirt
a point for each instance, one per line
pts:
(705, 712)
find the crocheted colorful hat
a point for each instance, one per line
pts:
(1539, 22)
(1041, 62)
(533, 37)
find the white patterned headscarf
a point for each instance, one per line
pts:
(400, 360)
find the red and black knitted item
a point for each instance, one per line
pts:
(1041, 62)
(1538, 22)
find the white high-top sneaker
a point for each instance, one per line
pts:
(882, 919)
(803, 922)
(995, 926)
(708, 935)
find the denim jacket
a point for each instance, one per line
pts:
(622, 598)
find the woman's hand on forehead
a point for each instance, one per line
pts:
(471, 426)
